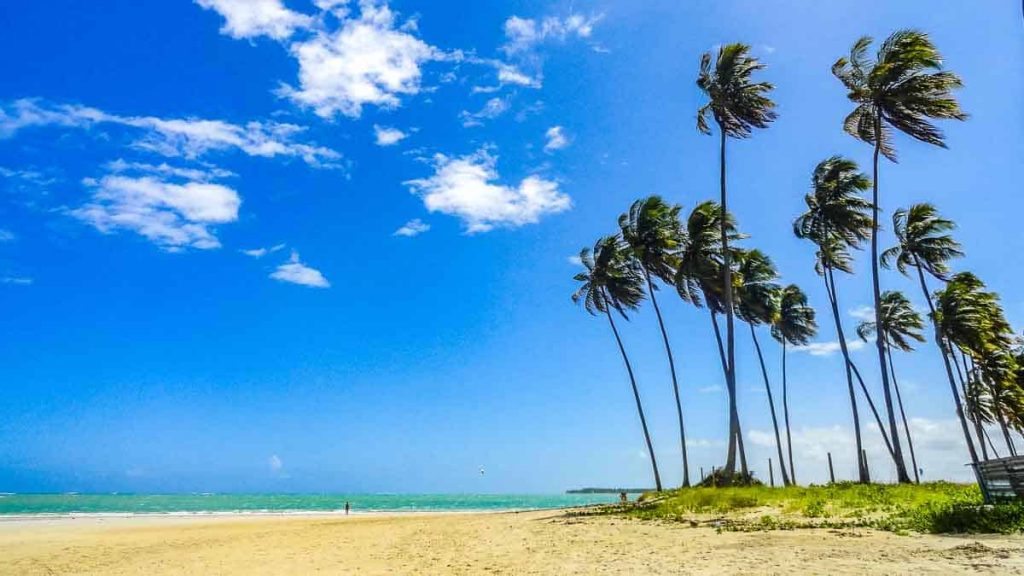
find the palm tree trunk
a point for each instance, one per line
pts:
(901, 467)
(874, 411)
(862, 473)
(771, 406)
(675, 382)
(973, 417)
(940, 341)
(733, 445)
(903, 414)
(730, 329)
(636, 395)
(785, 411)
(997, 405)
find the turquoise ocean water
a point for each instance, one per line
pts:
(22, 504)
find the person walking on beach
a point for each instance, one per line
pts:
(347, 508)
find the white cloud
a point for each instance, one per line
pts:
(388, 136)
(866, 313)
(275, 463)
(261, 252)
(173, 216)
(828, 348)
(492, 109)
(412, 228)
(176, 137)
(938, 444)
(523, 34)
(712, 389)
(556, 139)
(252, 18)
(575, 260)
(295, 272)
(465, 187)
(17, 280)
(6, 235)
(509, 74)
(367, 60)
(198, 174)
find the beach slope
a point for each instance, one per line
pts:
(492, 543)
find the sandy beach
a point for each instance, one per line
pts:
(484, 543)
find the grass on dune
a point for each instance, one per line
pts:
(938, 507)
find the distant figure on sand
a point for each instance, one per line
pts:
(347, 508)
(623, 498)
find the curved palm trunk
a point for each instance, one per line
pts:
(785, 412)
(862, 473)
(901, 467)
(940, 341)
(771, 406)
(903, 414)
(733, 446)
(997, 404)
(675, 383)
(874, 411)
(636, 395)
(972, 416)
(730, 330)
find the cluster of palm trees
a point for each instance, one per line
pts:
(903, 89)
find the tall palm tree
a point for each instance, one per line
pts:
(655, 235)
(901, 324)
(610, 282)
(698, 282)
(903, 89)
(924, 244)
(738, 105)
(758, 296)
(837, 220)
(794, 324)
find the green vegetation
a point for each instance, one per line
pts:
(938, 507)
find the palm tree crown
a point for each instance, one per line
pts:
(900, 322)
(737, 104)
(757, 291)
(610, 279)
(654, 235)
(923, 238)
(905, 87)
(835, 208)
(795, 322)
(700, 262)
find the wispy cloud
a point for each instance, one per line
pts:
(865, 313)
(556, 139)
(575, 260)
(261, 252)
(173, 137)
(17, 280)
(712, 389)
(828, 348)
(413, 227)
(6, 235)
(492, 109)
(295, 272)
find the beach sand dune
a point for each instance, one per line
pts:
(494, 543)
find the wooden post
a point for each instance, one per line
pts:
(771, 473)
(701, 473)
(831, 471)
(867, 472)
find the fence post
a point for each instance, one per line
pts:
(831, 471)
(701, 473)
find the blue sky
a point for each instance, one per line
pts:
(326, 245)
